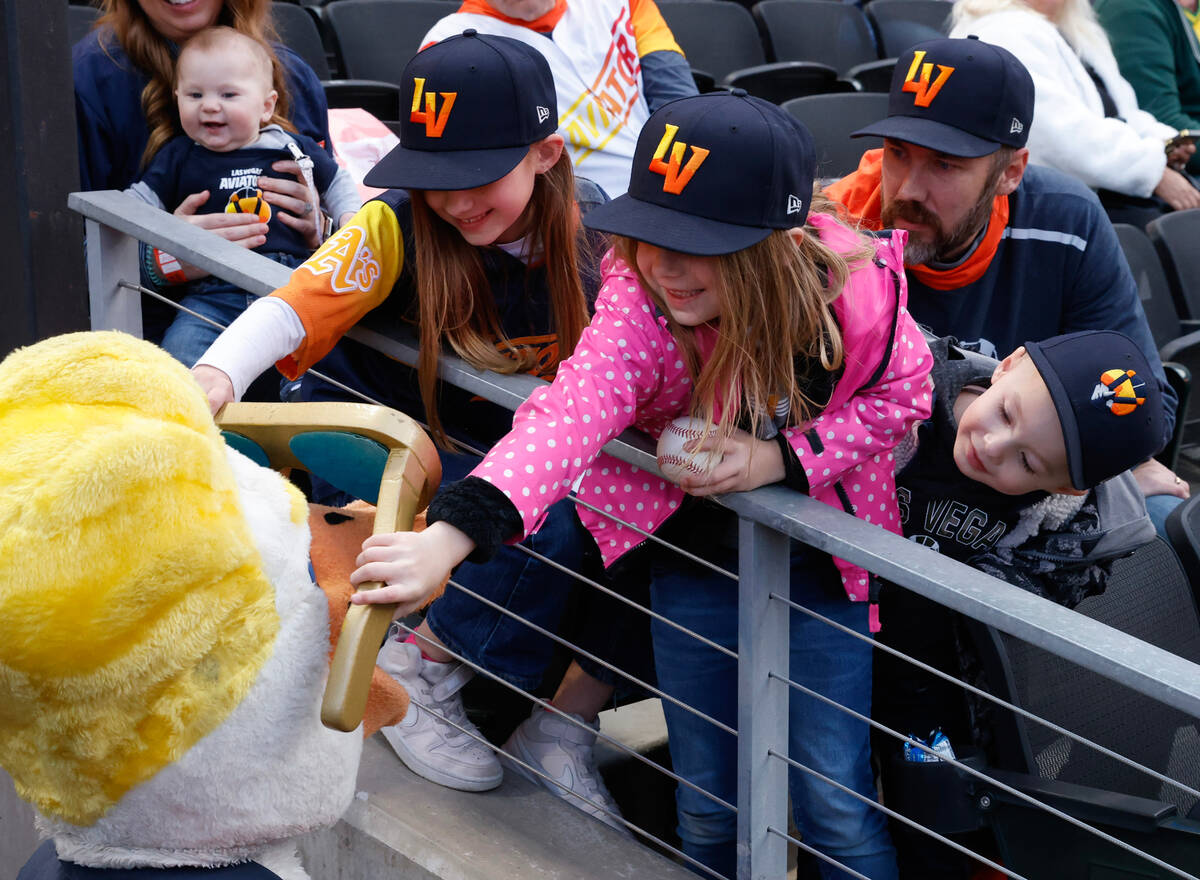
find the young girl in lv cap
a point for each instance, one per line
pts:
(483, 251)
(731, 297)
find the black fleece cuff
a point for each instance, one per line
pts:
(479, 510)
(793, 474)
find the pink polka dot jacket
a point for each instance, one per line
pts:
(627, 371)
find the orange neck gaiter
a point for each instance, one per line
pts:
(860, 193)
(542, 25)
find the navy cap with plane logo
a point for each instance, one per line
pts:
(474, 104)
(1107, 399)
(962, 97)
(713, 174)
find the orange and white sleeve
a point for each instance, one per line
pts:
(350, 274)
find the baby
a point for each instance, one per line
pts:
(232, 135)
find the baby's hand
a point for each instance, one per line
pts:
(217, 386)
(411, 565)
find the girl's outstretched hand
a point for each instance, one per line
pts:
(217, 386)
(411, 565)
(748, 464)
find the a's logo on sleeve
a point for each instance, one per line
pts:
(435, 122)
(1118, 392)
(676, 174)
(922, 84)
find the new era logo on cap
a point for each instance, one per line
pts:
(1016, 127)
(435, 122)
(676, 175)
(795, 204)
(925, 86)
(543, 113)
(1118, 392)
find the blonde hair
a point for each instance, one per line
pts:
(150, 52)
(456, 304)
(1076, 22)
(777, 330)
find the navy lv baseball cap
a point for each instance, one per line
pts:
(962, 97)
(713, 174)
(474, 104)
(1107, 399)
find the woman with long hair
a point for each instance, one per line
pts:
(125, 108)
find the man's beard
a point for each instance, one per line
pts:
(943, 246)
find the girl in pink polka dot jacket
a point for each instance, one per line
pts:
(726, 298)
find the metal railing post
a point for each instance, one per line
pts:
(763, 647)
(112, 257)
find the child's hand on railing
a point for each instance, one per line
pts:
(217, 387)
(747, 464)
(410, 565)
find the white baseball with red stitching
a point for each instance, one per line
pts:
(674, 462)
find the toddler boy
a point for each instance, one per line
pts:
(232, 135)
(1020, 471)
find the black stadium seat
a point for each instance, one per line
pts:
(831, 119)
(717, 38)
(836, 34)
(900, 24)
(376, 38)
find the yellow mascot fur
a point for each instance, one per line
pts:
(165, 647)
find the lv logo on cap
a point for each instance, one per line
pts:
(676, 179)
(1118, 391)
(435, 123)
(922, 87)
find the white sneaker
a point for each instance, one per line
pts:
(564, 752)
(427, 744)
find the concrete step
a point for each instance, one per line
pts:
(401, 826)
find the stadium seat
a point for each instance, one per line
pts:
(1175, 341)
(873, 76)
(901, 24)
(298, 30)
(1175, 236)
(784, 80)
(717, 38)
(1148, 596)
(831, 119)
(376, 38)
(1183, 529)
(836, 34)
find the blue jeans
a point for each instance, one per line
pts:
(217, 299)
(820, 737)
(1159, 507)
(512, 579)
(516, 581)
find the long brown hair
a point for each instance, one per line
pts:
(775, 321)
(456, 304)
(150, 52)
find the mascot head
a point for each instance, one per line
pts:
(165, 647)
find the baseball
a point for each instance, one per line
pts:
(673, 461)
